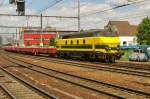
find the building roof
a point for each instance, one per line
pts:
(124, 28)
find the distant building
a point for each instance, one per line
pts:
(125, 31)
(38, 37)
(35, 37)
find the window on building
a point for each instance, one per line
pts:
(124, 43)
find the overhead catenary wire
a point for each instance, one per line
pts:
(104, 11)
(137, 2)
(30, 3)
(59, 17)
(37, 16)
(118, 18)
(116, 7)
(81, 5)
(51, 5)
(3, 26)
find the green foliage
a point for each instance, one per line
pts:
(81, 30)
(144, 32)
(52, 41)
(126, 55)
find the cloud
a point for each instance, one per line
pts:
(94, 7)
(92, 21)
(86, 9)
(117, 2)
(144, 5)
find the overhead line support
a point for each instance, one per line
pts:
(37, 16)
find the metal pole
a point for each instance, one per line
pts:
(41, 21)
(16, 35)
(79, 16)
(27, 22)
(41, 44)
(38, 16)
(13, 40)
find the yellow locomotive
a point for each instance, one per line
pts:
(93, 48)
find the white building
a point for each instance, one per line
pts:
(125, 31)
(128, 40)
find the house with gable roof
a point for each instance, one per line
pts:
(125, 31)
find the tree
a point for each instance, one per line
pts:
(81, 31)
(143, 36)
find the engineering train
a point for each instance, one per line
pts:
(89, 48)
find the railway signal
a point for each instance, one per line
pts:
(20, 6)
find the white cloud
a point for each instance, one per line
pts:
(116, 2)
(144, 5)
(89, 8)
(94, 7)
(91, 21)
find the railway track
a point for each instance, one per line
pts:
(97, 86)
(14, 87)
(117, 64)
(130, 65)
(96, 66)
(4, 93)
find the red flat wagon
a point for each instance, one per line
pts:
(35, 41)
(35, 51)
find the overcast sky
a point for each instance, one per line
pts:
(133, 13)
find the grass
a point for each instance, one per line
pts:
(126, 55)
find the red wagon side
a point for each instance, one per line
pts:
(35, 51)
(35, 41)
